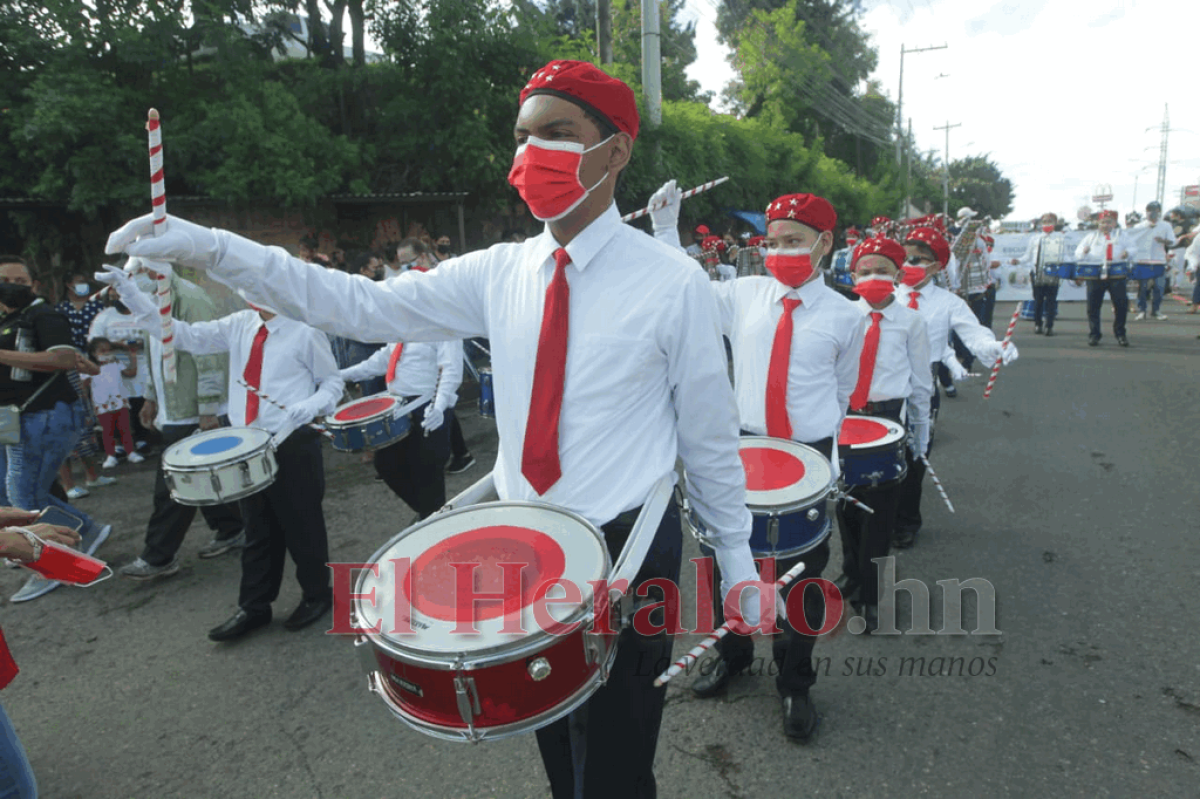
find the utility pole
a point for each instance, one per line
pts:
(907, 178)
(900, 94)
(946, 167)
(652, 61)
(1161, 189)
(604, 30)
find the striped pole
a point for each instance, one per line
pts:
(319, 428)
(1012, 325)
(684, 196)
(937, 483)
(158, 205)
(685, 662)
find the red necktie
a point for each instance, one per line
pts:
(866, 364)
(391, 372)
(253, 373)
(778, 424)
(539, 458)
(1108, 249)
(912, 300)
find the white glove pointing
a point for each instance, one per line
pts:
(179, 241)
(667, 217)
(140, 304)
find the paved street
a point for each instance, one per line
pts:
(1075, 494)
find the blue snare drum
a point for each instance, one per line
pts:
(1116, 270)
(487, 394)
(1027, 310)
(841, 269)
(1066, 271)
(871, 450)
(1147, 271)
(369, 423)
(786, 488)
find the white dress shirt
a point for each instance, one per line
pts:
(1097, 246)
(1152, 251)
(646, 375)
(417, 370)
(297, 363)
(120, 328)
(827, 336)
(902, 361)
(943, 312)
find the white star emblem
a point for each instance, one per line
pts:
(793, 201)
(792, 214)
(557, 67)
(549, 78)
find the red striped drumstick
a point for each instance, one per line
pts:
(684, 196)
(1012, 325)
(937, 483)
(685, 662)
(158, 204)
(319, 428)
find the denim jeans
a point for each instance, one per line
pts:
(47, 438)
(16, 775)
(1153, 286)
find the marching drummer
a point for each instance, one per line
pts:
(293, 365)
(1045, 284)
(895, 382)
(796, 347)
(608, 365)
(943, 312)
(1106, 245)
(414, 467)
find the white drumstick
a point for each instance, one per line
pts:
(708, 643)
(684, 196)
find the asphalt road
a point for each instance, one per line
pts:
(1074, 488)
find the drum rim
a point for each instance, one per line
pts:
(263, 448)
(826, 531)
(790, 506)
(490, 655)
(887, 442)
(332, 422)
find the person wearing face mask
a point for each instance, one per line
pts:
(796, 345)
(895, 382)
(1153, 252)
(608, 366)
(1045, 285)
(1106, 245)
(441, 250)
(35, 351)
(943, 311)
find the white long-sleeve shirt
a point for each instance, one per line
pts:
(646, 376)
(121, 328)
(417, 371)
(1096, 245)
(297, 363)
(1153, 251)
(827, 337)
(943, 312)
(902, 361)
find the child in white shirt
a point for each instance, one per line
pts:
(108, 396)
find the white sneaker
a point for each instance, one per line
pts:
(1160, 316)
(1141, 315)
(101, 481)
(78, 492)
(135, 458)
(110, 462)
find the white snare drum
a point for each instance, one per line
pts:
(527, 663)
(218, 466)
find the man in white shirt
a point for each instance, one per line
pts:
(1043, 246)
(608, 365)
(414, 467)
(1153, 252)
(293, 364)
(1106, 245)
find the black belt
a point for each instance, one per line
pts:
(891, 408)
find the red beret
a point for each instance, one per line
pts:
(880, 221)
(1109, 214)
(934, 240)
(713, 243)
(807, 209)
(879, 245)
(755, 241)
(703, 230)
(586, 86)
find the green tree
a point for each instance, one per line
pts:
(977, 182)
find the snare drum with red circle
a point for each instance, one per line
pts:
(528, 663)
(872, 451)
(369, 423)
(786, 488)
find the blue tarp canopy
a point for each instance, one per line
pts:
(755, 218)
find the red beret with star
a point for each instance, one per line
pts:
(588, 87)
(713, 243)
(755, 241)
(880, 245)
(932, 239)
(880, 221)
(1108, 214)
(807, 209)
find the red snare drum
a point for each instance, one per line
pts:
(497, 681)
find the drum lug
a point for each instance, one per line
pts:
(468, 702)
(539, 669)
(216, 483)
(813, 514)
(245, 470)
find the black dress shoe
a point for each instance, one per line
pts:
(714, 682)
(238, 625)
(848, 588)
(306, 613)
(951, 392)
(871, 617)
(1037, 327)
(1124, 342)
(800, 718)
(1049, 331)
(1093, 341)
(903, 539)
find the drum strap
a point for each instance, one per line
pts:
(644, 529)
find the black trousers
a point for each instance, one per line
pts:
(791, 650)
(169, 521)
(866, 536)
(605, 749)
(1095, 299)
(286, 517)
(1045, 305)
(415, 466)
(908, 507)
(458, 444)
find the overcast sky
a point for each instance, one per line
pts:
(1059, 93)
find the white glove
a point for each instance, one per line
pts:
(749, 616)
(304, 411)
(991, 352)
(920, 439)
(140, 304)
(434, 417)
(1010, 353)
(957, 370)
(179, 241)
(667, 217)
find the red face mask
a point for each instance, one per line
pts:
(912, 275)
(1047, 228)
(66, 565)
(790, 267)
(874, 288)
(546, 175)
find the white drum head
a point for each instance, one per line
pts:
(866, 432)
(216, 446)
(552, 542)
(782, 474)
